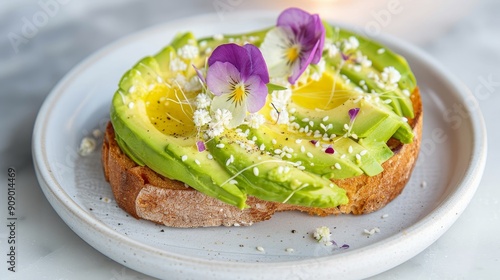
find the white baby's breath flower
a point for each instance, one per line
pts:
(281, 116)
(331, 49)
(390, 75)
(215, 129)
(351, 44)
(223, 116)
(177, 64)
(201, 117)
(188, 52)
(363, 60)
(280, 98)
(255, 120)
(322, 234)
(202, 100)
(193, 85)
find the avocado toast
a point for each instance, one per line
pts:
(227, 130)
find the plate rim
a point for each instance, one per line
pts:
(465, 188)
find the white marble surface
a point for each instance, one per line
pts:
(48, 249)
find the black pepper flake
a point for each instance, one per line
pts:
(162, 230)
(241, 245)
(294, 231)
(91, 209)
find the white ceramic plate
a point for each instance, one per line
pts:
(450, 164)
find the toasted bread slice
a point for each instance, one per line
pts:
(147, 195)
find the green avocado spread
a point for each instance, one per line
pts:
(332, 122)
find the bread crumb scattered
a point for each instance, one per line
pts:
(289, 250)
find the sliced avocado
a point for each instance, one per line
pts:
(273, 179)
(400, 102)
(297, 149)
(171, 155)
(154, 128)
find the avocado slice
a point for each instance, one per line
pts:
(273, 179)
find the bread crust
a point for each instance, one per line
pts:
(147, 195)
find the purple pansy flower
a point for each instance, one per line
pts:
(296, 42)
(237, 76)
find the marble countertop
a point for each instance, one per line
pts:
(40, 41)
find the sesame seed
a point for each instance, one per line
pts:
(184, 158)
(337, 165)
(256, 171)
(131, 89)
(289, 250)
(309, 154)
(350, 149)
(209, 156)
(274, 141)
(262, 147)
(423, 184)
(385, 216)
(278, 151)
(346, 126)
(131, 105)
(260, 249)
(305, 119)
(358, 157)
(220, 145)
(387, 101)
(342, 156)
(301, 167)
(298, 141)
(404, 119)
(381, 51)
(197, 162)
(280, 169)
(286, 169)
(233, 182)
(302, 148)
(326, 118)
(311, 123)
(363, 152)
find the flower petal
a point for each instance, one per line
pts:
(301, 66)
(232, 53)
(221, 76)
(318, 29)
(200, 74)
(295, 18)
(238, 111)
(257, 64)
(257, 95)
(273, 49)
